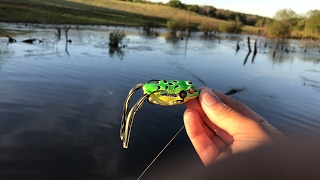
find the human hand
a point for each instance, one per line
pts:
(219, 126)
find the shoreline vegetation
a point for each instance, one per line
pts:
(174, 15)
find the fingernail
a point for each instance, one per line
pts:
(208, 97)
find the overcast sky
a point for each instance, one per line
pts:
(259, 7)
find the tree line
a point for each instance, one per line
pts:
(210, 11)
(285, 23)
(288, 23)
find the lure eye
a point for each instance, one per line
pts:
(192, 90)
(183, 94)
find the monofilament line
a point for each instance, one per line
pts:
(160, 152)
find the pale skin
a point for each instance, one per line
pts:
(219, 126)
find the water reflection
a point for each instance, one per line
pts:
(311, 83)
(246, 58)
(150, 33)
(173, 39)
(66, 49)
(116, 51)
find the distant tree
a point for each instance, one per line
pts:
(175, 25)
(230, 28)
(139, 1)
(313, 21)
(234, 27)
(301, 23)
(237, 25)
(208, 28)
(208, 11)
(242, 17)
(193, 8)
(221, 14)
(286, 20)
(193, 27)
(260, 22)
(231, 15)
(176, 4)
(250, 20)
(268, 21)
(278, 29)
(287, 16)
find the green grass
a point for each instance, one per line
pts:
(49, 13)
(150, 10)
(92, 11)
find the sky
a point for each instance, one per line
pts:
(257, 7)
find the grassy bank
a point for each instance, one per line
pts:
(95, 12)
(62, 12)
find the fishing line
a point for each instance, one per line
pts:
(187, 71)
(160, 152)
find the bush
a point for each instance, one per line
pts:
(234, 27)
(175, 25)
(278, 29)
(115, 38)
(207, 28)
(150, 26)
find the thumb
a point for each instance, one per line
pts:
(224, 116)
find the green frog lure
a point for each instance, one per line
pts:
(161, 92)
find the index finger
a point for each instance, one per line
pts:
(195, 104)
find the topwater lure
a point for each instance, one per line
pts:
(161, 92)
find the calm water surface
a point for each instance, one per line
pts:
(61, 105)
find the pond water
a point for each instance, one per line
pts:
(61, 104)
